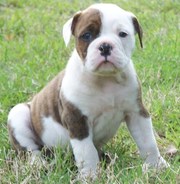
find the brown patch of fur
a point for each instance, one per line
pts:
(143, 111)
(88, 21)
(49, 103)
(74, 22)
(138, 29)
(46, 103)
(74, 120)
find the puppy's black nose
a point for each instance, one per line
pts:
(105, 49)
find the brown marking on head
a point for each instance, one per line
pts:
(74, 120)
(143, 111)
(88, 21)
(138, 30)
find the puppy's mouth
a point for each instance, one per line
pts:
(105, 63)
(105, 67)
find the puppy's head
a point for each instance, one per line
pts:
(104, 35)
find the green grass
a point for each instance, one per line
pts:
(32, 52)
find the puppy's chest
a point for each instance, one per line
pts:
(105, 113)
(104, 108)
(106, 104)
(106, 124)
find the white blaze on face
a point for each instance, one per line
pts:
(114, 22)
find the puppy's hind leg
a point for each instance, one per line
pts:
(21, 133)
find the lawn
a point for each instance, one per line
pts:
(32, 52)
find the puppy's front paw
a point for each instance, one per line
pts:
(87, 175)
(157, 164)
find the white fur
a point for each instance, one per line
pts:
(102, 93)
(20, 122)
(142, 132)
(120, 20)
(117, 60)
(67, 31)
(104, 106)
(86, 156)
(116, 95)
(54, 134)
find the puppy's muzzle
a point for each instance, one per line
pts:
(105, 50)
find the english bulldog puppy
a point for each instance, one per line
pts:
(84, 105)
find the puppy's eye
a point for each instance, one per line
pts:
(123, 34)
(87, 37)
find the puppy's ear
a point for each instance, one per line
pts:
(138, 29)
(69, 28)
